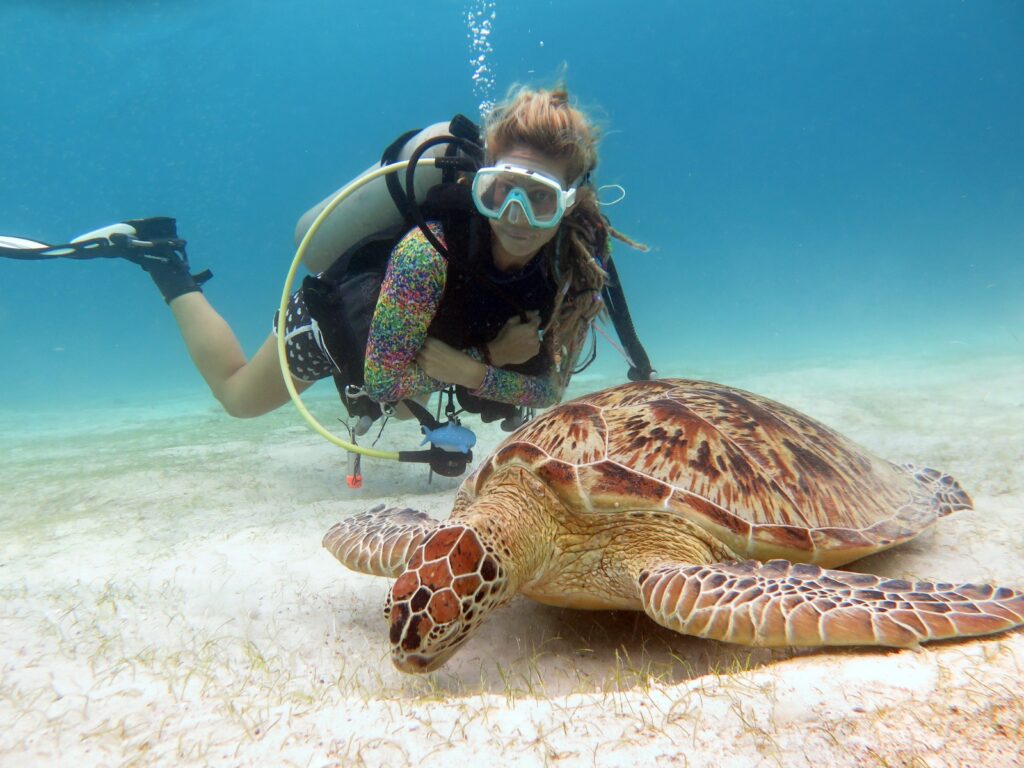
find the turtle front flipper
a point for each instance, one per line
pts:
(779, 603)
(379, 541)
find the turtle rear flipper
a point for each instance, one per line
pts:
(380, 541)
(779, 603)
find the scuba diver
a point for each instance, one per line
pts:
(485, 284)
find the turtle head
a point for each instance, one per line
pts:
(452, 582)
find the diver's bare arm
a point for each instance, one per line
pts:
(452, 366)
(244, 388)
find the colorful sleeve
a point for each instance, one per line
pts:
(409, 297)
(519, 389)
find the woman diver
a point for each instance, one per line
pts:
(495, 292)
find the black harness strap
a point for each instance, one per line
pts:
(390, 156)
(467, 141)
(615, 300)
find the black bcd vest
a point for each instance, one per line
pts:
(477, 301)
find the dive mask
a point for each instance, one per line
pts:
(538, 196)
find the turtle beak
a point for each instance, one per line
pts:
(417, 664)
(412, 663)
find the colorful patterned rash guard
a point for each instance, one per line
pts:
(409, 299)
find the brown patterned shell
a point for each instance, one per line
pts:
(761, 477)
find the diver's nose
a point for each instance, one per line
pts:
(516, 212)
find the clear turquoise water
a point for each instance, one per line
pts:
(817, 180)
(834, 195)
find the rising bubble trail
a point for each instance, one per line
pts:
(479, 24)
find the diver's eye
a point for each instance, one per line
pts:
(542, 199)
(500, 190)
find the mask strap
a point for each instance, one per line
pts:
(617, 200)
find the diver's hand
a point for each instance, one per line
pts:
(517, 341)
(446, 363)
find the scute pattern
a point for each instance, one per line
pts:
(379, 541)
(610, 484)
(449, 581)
(580, 437)
(785, 604)
(767, 476)
(650, 496)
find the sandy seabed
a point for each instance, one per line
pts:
(164, 600)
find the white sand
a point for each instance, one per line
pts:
(165, 601)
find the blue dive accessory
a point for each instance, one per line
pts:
(521, 192)
(450, 443)
(451, 436)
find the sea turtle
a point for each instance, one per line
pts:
(651, 496)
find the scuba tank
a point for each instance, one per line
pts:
(371, 209)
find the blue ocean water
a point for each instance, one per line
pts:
(817, 180)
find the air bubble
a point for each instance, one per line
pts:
(480, 15)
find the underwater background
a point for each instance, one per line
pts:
(833, 193)
(818, 181)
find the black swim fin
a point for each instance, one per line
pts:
(151, 243)
(157, 248)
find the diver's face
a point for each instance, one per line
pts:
(515, 241)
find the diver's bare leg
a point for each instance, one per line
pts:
(245, 388)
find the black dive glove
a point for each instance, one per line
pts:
(157, 248)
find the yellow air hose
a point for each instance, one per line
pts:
(282, 314)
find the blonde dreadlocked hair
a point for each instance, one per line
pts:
(547, 122)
